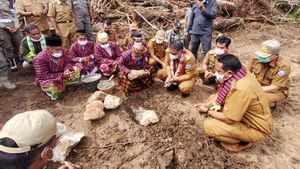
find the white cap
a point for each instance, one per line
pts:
(30, 128)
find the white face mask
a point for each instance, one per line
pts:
(57, 55)
(219, 77)
(105, 46)
(138, 43)
(219, 51)
(37, 40)
(82, 43)
(159, 41)
(173, 57)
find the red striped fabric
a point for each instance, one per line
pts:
(47, 71)
(226, 86)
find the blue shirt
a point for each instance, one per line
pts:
(201, 22)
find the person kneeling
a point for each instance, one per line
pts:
(245, 116)
(81, 54)
(180, 70)
(32, 44)
(107, 53)
(136, 74)
(53, 70)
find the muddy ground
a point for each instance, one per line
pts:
(117, 141)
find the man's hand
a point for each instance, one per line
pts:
(45, 11)
(168, 81)
(201, 6)
(36, 14)
(86, 59)
(130, 75)
(12, 29)
(72, 74)
(68, 165)
(186, 34)
(201, 107)
(208, 74)
(57, 32)
(66, 74)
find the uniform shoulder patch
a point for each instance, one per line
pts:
(281, 72)
(188, 66)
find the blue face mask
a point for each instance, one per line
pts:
(263, 60)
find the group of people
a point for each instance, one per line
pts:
(240, 109)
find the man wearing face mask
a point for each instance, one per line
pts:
(107, 54)
(32, 44)
(200, 25)
(176, 33)
(207, 71)
(180, 69)
(53, 69)
(27, 141)
(272, 71)
(133, 62)
(81, 53)
(157, 49)
(245, 117)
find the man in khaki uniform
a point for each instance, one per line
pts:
(62, 18)
(245, 117)
(207, 70)
(180, 69)
(34, 12)
(157, 49)
(272, 71)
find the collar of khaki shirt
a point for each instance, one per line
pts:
(273, 63)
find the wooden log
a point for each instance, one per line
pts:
(225, 24)
(226, 8)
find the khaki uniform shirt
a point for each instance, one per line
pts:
(60, 11)
(189, 66)
(159, 50)
(210, 60)
(274, 73)
(247, 103)
(33, 6)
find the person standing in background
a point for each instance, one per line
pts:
(84, 17)
(200, 25)
(34, 12)
(63, 20)
(10, 36)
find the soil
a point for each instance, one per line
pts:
(177, 140)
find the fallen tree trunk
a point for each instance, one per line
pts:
(225, 24)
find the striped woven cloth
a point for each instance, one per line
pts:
(226, 86)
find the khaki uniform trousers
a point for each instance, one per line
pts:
(276, 97)
(185, 87)
(233, 133)
(68, 32)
